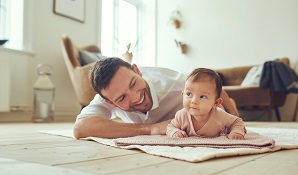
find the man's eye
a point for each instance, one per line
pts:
(122, 98)
(203, 96)
(133, 84)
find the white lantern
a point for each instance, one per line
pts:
(44, 94)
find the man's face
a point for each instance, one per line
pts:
(128, 91)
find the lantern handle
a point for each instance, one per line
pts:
(44, 69)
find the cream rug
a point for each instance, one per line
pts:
(258, 140)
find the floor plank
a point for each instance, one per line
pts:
(281, 162)
(75, 151)
(178, 167)
(119, 164)
(14, 167)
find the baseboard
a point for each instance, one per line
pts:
(24, 114)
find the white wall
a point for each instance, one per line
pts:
(229, 33)
(46, 31)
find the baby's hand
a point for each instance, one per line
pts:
(180, 134)
(235, 136)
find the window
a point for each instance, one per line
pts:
(119, 27)
(11, 22)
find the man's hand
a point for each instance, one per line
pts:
(159, 128)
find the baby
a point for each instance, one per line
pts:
(202, 114)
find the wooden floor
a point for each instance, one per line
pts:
(25, 151)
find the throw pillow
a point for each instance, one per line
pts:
(253, 76)
(86, 57)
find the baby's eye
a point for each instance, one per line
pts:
(203, 96)
(188, 94)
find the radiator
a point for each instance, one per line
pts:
(4, 85)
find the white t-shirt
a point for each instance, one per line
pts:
(165, 85)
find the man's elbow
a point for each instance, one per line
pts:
(78, 130)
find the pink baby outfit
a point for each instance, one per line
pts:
(219, 123)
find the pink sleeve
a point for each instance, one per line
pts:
(238, 126)
(233, 123)
(176, 124)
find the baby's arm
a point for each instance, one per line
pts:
(179, 134)
(238, 130)
(174, 128)
(236, 136)
(234, 124)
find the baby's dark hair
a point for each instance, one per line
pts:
(103, 71)
(199, 72)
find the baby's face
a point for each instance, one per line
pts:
(199, 97)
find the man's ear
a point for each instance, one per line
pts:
(108, 101)
(182, 93)
(136, 69)
(218, 102)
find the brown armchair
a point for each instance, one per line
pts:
(252, 97)
(78, 74)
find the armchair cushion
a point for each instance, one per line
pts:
(86, 57)
(253, 76)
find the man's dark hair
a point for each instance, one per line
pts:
(102, 72)
(199, 72)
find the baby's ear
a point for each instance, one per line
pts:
(218, 102)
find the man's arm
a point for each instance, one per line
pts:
(96, 126)
(227, 104)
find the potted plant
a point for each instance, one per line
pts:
(175, 18)
(182, 46)
(127, 56)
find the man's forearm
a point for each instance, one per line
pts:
(227, 104)
(96, 126)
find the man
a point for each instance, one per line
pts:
(146, 99)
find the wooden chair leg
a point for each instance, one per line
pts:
(268, 109)
(277, 114)
(295, 111)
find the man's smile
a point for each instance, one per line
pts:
(140, 101)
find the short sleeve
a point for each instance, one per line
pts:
(97, 107)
